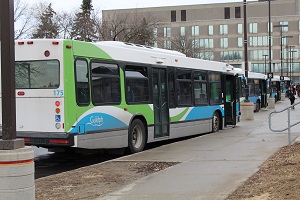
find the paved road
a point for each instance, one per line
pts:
(212, 166)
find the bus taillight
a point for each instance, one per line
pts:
(55, 43)
(30, 42)
(57, 103)
(26, 139)
(47, 53)
(68, 46)
(20, 43)
(21, 93)
(59, 141)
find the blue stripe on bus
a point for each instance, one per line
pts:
(203, 112)
(96, 122)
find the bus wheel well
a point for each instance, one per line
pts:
(142, 118)
(220, 119)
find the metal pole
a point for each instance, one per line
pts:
(246, 48)
(281, 72)
(8, 141)
(265, 63)
(270, 53)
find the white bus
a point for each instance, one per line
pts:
(110, 95)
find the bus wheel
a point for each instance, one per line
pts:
(136, 136)
(216, 123)
(257, 106)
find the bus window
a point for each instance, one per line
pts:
(200, 87)
(215, 88)
(184, 87)
(171, 85)
(40, 74)
(137, 84)
(82, 82)
(105, 83)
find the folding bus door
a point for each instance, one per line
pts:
(230, 100)
(160, 102)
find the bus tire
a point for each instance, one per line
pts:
(257, 106)
(136, 136)
(216, 123)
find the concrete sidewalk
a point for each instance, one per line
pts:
(212, 166)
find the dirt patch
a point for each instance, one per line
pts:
(278, 178)
(94, 181)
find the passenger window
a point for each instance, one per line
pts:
(137, 84)
(82, 82)
(105, 83)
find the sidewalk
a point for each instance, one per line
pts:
(212, 166)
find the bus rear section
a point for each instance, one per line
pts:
(40, 93)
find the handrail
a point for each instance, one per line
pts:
(289, 121)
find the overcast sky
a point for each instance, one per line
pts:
(68, 5)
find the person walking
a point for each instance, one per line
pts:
(290, 95)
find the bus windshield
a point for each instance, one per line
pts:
(41, 74)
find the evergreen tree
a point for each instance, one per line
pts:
(46, 28)
(84, 28)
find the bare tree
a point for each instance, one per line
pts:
(23, 18)
(65, 22)
(129, 27)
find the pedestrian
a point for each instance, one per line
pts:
(290, 95)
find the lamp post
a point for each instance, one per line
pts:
(246, 48)
(265, 63)
(292, 62)
(281, 62)
(288, 56)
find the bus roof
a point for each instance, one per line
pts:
(122, 51)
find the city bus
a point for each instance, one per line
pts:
(115, 95)
(257, 88)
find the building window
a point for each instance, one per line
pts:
(167, 44)
(207, 43)
(253, 27)
(224, 42)
(182, 31)
(167, 32)
(240, 28)
(173, 16)
(240, 42)
(223, 29)
(227, 13)
(237, 12)
(271, 27)
(210, 30)
(183, 15)
(284, 29)
(195, 30)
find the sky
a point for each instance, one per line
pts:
(68, 5)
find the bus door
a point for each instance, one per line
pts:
(230, 100)
(263, 89)
(160, 103)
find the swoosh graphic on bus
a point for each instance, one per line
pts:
(179, 116)
(203, 112)
(97, 122)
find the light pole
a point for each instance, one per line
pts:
(292, 63)
(281, 62)
(246, 48)
(288, 56)
(265, 63)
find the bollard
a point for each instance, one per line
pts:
(17, 174)
(247, 111)
(271, 103)
(282, 97)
